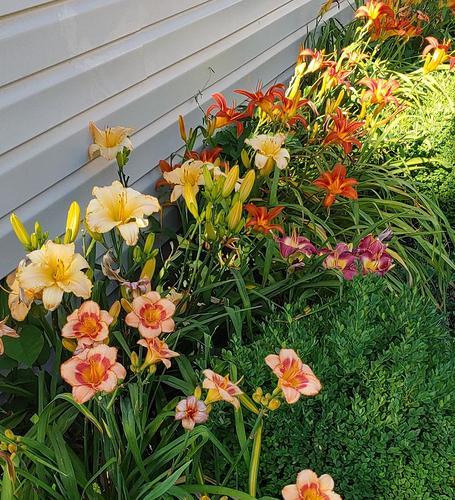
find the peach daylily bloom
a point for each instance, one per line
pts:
(151, 315)
(157, 351)
(269, 148)
(19, 300)
(188, 174)
(108, 142)
(191, 411)
(294, 377)
(120, 207)
(220, 388)
(6, 331)
(88, 324)
(311, 487)
(91, 371)
(53, 270)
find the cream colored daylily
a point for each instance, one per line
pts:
(53, 270)
(19, 300)
(6, 331)
(108, 142)
(189, 173)
(269, 148)
(124, 208)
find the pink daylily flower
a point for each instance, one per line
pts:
(191, 411)
(88, 324)
(220, 388)
(151, 315)
(310, 487)
(290, 245)
(294, 377)
(373, 255)
(91, 371)
(343, 259)
(157, 351)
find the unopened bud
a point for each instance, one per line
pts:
(247, 185)
(149, 242)
(197, 392)
(182, 129)
(245, 158)
(149, 269)
(69, 344)
(126, 305)
(137, 254)
(19, 230)
(274, 404)
(230, 181)
(234, 216)
(9, 433)
(115, 309)
(73, 220)
(190, 200)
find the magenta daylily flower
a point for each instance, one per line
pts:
(343, 259)
(373, 255)
(290, 245)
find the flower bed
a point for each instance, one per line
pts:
(283, 200)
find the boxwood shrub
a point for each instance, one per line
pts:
(383, 425)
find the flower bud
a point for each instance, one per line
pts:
(126, 305)
(149, 269)
(257, 395)
(274, 404)
(197, 392)
(182, 129)
(73, 220)
(247, 185)
(137, 254)
(230, 181)
(245, 158)
(234, 215)
(134, 358)
(69, 344)
(210, 232)
(9, 433)
(114, 310)
(149, 242)
(190, 200)
(19, 230)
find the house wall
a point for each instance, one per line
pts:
(137, 63)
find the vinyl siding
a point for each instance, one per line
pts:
(137, 63)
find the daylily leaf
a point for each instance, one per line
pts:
(27, 347)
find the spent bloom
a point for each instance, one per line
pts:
(294, 377)
(220, 388)
(343, 259)
(311, 487)
(157, 351)
(53, 270)
(151, 315)
(120, 207)
(91, 371)
(108, 142)
(269, 151)
(259, 218)
(188, 174)
(191, 411)
(336, 184)
(6, 331)
(88, 324)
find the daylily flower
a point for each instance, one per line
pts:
(188, 174)
(53, 270)
(262, 100)
(316, 60)
(286, 109)
(191, 411)
(379, 91)
(336, 184)
(151, 315)
(206, 155)
(6, 331)
(260, 219)
(220, 388)
(225, 114)
(334, 76)
(375, 11)
(343, 259)
(436, 53)
(310, 487)
(120, 207)
(109, 142)
(353, 56)
(88, 324)
(19, 300)
(157, 351)
(269, 150)
(343, 132)
(290, 245)
(294, 377)
(373, 256)
(91, 371)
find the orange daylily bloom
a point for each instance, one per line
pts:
(316, 61)
(334, 76)
(220, 388)
(379, 91)
(294, 377)
(262, 100)
(436, 53)
(225, 114)
(286, 109)
(375, 11)
(157, 351)
(311, 487)
(260, 219)
(343, 132)
(336, 184)
(206, 155)
(91, 371)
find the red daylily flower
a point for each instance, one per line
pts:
(206, 155)
(379, 91)
(316, 59)
(334, 76)
(262, 100)
(336, 184)
(225, 114)
(375, 11)
(260, 219)
(343, 132)
(436, 53)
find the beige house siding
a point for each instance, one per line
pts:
(137, 63)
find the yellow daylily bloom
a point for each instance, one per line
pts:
(53, 270)
(190, 173)
(108, 142)
(269, 147)
(124, 208)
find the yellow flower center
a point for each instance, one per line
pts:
(190, 176)
(151, 314)
(90, 326)
(59, 270)
(122, 203)
(94, 372)
(270, 148)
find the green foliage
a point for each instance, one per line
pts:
(383, 423)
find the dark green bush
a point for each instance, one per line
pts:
(383, 425)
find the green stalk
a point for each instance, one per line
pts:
(274, 189)
(254, 464)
